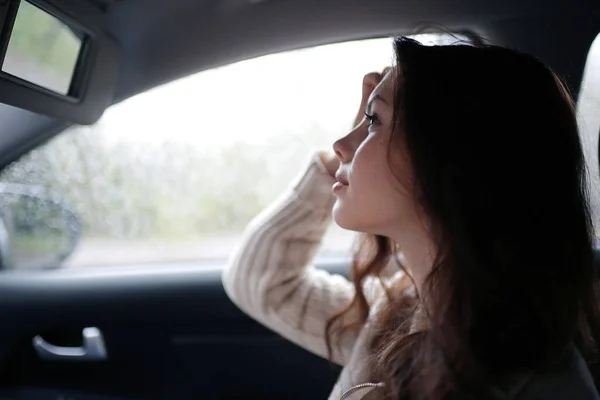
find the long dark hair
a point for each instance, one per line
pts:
(492, 136)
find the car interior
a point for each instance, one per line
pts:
(156, 332)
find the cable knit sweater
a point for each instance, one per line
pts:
(271, 278)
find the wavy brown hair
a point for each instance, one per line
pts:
(492, 137)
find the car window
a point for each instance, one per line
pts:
(588, 114)
(175, 174)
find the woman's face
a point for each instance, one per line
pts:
(370, 197)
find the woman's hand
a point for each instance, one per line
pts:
(370, 81)
(330, 162)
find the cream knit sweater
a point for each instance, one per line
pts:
(271, 278)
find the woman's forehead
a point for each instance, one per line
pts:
(385, 88)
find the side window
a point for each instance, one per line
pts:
(175, 174)
(588, 113)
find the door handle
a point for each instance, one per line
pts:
(93, 348)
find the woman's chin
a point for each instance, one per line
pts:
(342, 219)
(338, 215)
(348, 221)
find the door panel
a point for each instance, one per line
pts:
(170, 331)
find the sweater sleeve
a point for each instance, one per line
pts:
(270, 277)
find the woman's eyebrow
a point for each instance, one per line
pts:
(372, 100)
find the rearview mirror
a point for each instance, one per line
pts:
(56, 59)
(43, 50)
(37, 230)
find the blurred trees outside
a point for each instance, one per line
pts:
(168, 190)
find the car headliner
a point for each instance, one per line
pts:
(163, 40)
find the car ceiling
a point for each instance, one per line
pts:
(163, 40)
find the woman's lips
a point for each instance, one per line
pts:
(341, 184)
(338, 186)
(341, 179)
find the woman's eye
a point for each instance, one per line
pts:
(372, 118)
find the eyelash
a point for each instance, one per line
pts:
(372, 118)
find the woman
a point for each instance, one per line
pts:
(466, 172)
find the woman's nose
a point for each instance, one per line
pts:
(342, 150)
(346, 146)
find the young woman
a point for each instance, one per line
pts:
(465, 171)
